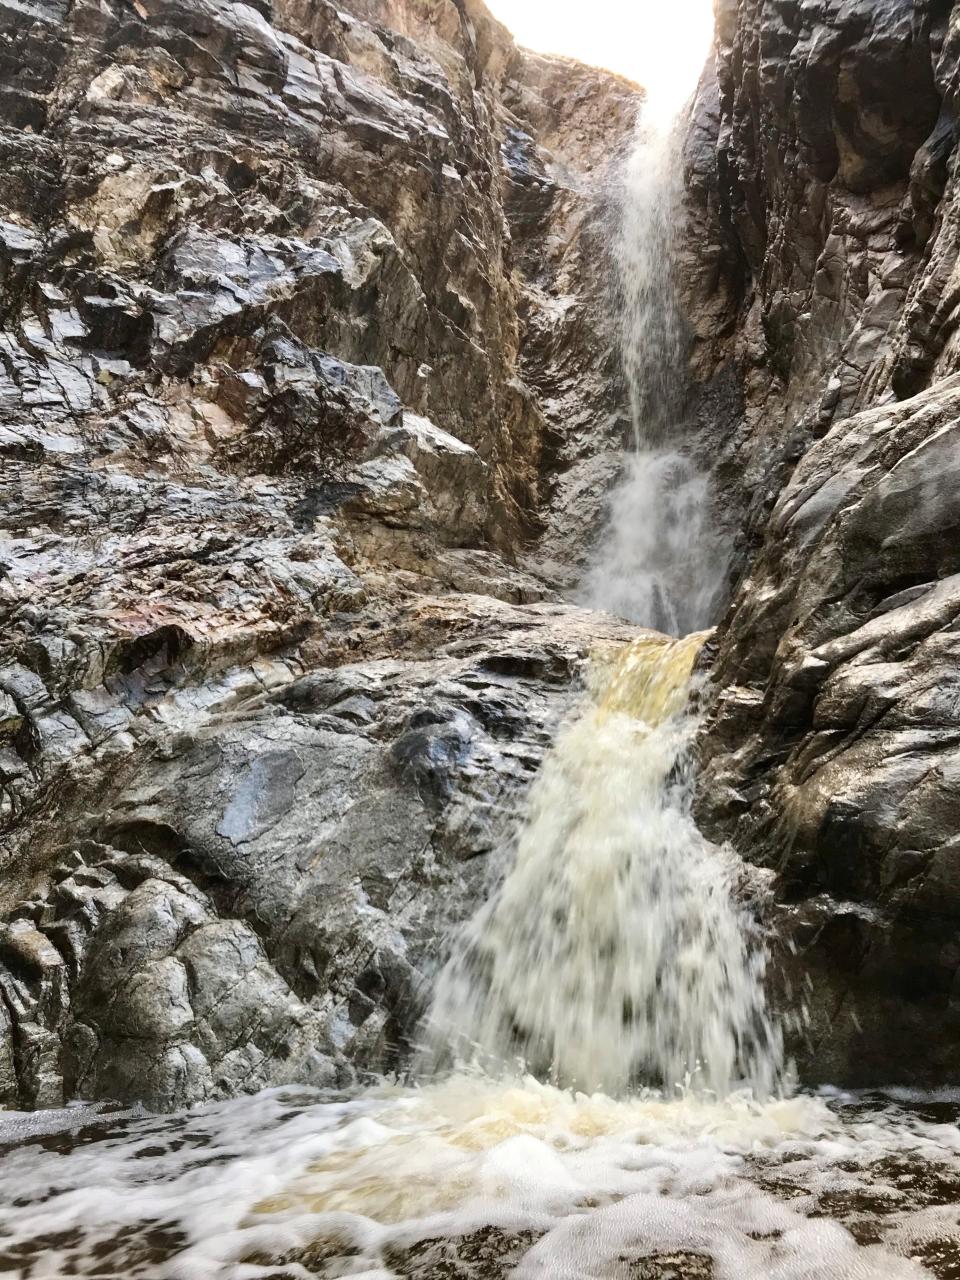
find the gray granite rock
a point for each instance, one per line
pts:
(261, 893)
(822, 168)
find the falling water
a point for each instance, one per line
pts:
(651, 326)
(659, 560)
(614, 953)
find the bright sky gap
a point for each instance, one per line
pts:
(658, 44)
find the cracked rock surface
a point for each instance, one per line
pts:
(257, 898)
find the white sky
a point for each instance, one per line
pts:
(660, 43)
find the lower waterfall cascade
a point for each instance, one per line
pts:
(613, 953)
(612, 959)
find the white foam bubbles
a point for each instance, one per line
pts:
(757, 1190)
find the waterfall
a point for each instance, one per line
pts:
(659, 560)
(651, 326)
(614, 952)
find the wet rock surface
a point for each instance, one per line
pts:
(562, 200)
(309, 402)
(272, 454)
(822, 174)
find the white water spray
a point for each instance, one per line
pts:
(614, 953)
(659, 561)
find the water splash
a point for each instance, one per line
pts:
(614, 953)
(478, 1177)
(659, 561)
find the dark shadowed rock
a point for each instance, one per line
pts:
(822, 173)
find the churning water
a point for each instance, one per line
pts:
(614, 953)
(471, 1179)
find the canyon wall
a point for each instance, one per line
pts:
(303, 328)
(822, 179)
(311, 400)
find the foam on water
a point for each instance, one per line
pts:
(591, 1184)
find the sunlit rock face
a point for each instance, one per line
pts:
(277, 433)
(821, 170)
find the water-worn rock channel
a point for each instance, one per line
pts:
(478, 712)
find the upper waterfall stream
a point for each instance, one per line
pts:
(660, 560)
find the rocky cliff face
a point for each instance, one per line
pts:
(301, 334)
(823, 177)
(310, 399)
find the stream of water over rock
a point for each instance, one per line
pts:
(614, 952)
(601, 1092)
(660, 559)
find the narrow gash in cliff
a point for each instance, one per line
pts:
(614, 953)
